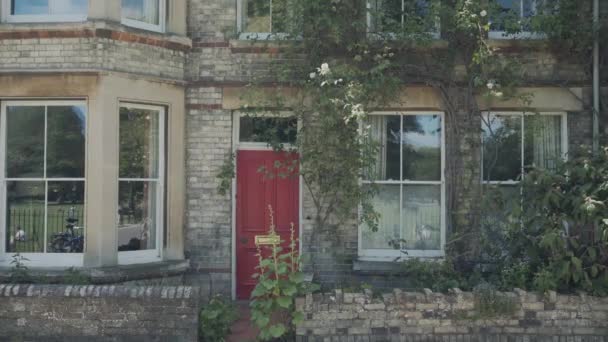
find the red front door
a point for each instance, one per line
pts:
(255, 192)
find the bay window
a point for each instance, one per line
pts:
(144, 14)
(395, 16)
(43, 180)
(267, 19)
(409, 175)
(45, 10)
(141, 182)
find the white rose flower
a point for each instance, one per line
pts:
(324, 70)
(312, 75)
(483, 13)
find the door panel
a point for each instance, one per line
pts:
(256, 191)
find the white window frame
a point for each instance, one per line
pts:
(564, 138)
(391, 254)
(502, 35)
(250, 145)
(240, 21)
(151, 255)
(371, 30)
(162, 6)
(38, 18)
(38, 259)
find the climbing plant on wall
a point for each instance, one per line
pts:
(348, 58)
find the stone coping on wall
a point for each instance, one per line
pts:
(96, 291)
(108, 275)
(405, 316)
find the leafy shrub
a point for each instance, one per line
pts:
(489, 303)
(19, 273)
(216, 318)
(515, 276)
(561, 228)
(74, 276)
(280, 281)
(438, 276)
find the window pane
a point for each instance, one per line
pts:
(394, 15)
(25, 142)
(257, 16)
(65, 217)
(501, 148)
(543, 141)
(137, 208)
(389, 15)
(280, 16)
(386, 203)
(529, 8)
(259, 129)
(497, 203)
(509, 11)
(30, 7)
(146, 11)
(25, 217)
(69, 6)
(421, 228)
(139, 143)
(65, 141)
(385, 131)
(510, 5)
(421, 144)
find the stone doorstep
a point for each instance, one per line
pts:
(112, 274)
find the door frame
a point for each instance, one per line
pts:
(248, 146)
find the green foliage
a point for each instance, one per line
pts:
(280, 281)
(74, 276)
(226, 175)
(489, 303)
(515, 276)
(216, 318)
(560, 229)
(439, 276)
(19, 273)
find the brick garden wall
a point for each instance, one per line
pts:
(98, 313)
(428, 316)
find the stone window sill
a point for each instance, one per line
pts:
(108, 275)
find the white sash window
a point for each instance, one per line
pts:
(409, 173)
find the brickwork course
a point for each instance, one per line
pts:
(426, 316)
